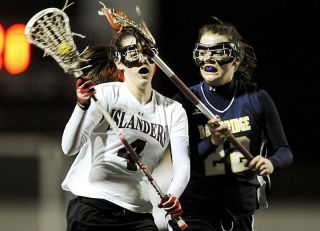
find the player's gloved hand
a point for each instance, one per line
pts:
(171, 205)
(84, 90)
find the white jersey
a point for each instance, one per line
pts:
(103, 168)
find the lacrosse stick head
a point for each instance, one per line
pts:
(119, 21)
(50, 30)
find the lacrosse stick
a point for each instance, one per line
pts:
(49, 30)
(119, 21)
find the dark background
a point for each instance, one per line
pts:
(285, 37)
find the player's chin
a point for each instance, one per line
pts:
(211, 77)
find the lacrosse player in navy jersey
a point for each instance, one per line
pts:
(111, 191)
(222, 192)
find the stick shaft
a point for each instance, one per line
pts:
(129, 148)
(135, 157)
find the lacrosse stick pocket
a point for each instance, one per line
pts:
(49, 30)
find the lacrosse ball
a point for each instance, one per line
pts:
(64, 48)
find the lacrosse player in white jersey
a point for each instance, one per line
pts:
(111, 191)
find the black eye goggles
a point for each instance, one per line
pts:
(222, 53)
(133, 56)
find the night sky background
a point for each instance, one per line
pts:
(285, 37)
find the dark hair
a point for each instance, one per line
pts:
(100, 64)
(99, 61)
(117, 40)
(246, 52)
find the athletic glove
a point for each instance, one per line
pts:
(171, 205)
(84, 90)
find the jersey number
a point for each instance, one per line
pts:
(138, 146)
(214, 164)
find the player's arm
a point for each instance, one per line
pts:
(279, 153)
(204, 146)
(79, 126)
(179, 144)
(179, 141)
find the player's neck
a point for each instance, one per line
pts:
(143, 95)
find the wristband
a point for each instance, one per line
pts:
(83, 107)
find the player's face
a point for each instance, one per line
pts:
(140, 74)
(212, 72)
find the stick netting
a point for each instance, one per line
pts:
(50, 30)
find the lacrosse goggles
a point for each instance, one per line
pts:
(222, 53)
(132, 55)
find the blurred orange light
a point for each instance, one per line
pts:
(1, 44)
(16, 49)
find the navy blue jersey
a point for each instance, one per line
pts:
(219, 176)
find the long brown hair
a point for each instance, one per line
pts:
(100, 64)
